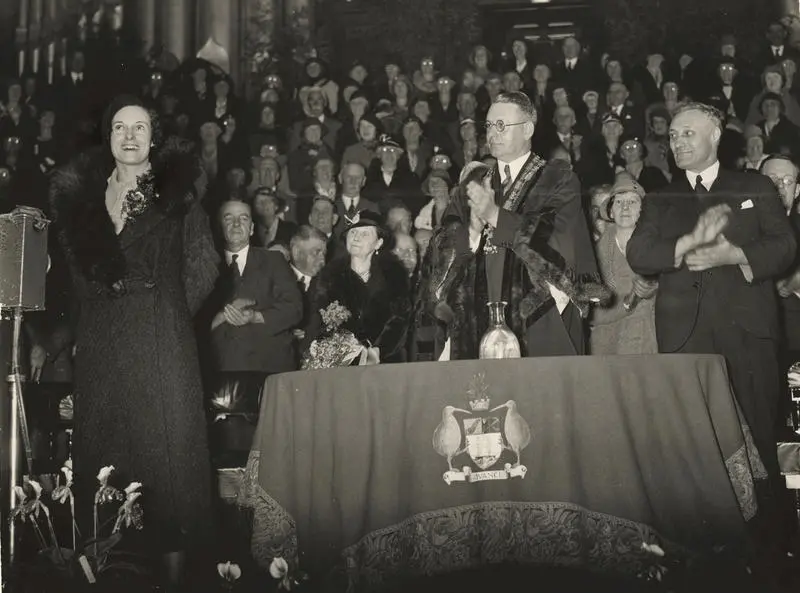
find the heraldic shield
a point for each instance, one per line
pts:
(482, 434)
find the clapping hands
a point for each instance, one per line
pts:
(710, 224)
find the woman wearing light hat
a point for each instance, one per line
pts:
(372, 284)
(627, 324)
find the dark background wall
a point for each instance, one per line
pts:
(446, 29)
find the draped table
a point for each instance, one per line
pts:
(374, 473)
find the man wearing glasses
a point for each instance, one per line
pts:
(526, 209)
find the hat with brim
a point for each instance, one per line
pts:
(313, 121)
(372, 119)
(359, 95)
(367, 218)
(386, 142)
(435, 174)
(590, 92)
(610, 118)
(624, 183)
(632, 139)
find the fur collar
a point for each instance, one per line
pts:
(85, 230)
(387, 275)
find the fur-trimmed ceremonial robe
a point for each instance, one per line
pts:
(543, 240)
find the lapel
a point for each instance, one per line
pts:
(140, 227)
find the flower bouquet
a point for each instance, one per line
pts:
(337, 347)
(88, 561)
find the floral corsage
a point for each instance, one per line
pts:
(141, 197)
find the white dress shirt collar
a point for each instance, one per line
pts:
(515, 165)
(348, 199)
(304, 278)
(709, 176)
(572, 62)
(241, 260)
(777, 50)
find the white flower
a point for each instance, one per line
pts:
(132, 488)
(229, 571)
(21, 496)
(67, 469)
(37, 489)
(104, 474)
(278, 568)
(653, 549)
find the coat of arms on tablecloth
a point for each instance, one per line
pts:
(481, 434)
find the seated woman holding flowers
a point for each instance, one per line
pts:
(373, 286)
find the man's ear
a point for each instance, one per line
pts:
(530, 127)
(336, 216)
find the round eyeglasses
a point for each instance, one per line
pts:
(500, 125)
(785, 181)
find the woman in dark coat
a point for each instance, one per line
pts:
(373, 285)
(142, 261)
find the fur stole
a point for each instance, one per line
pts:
(77, 203)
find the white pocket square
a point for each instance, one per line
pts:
(746, 204)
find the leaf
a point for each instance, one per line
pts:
(104, 545)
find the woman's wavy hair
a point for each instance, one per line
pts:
(121, 101)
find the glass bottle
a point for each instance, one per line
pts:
(498, 341)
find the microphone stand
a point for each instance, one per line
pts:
(19, 427)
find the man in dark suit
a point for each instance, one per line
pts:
(733, 87)
(506, 211)
(631, 117)
(308, 250)
(323, 217)
(717, 240)
(777, 48)
(352, 179)
(575, 71)
(784, 175)
(260, 302)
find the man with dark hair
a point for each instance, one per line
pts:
(717, 240)
(522, 219)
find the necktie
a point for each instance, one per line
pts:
(234, 277)
(699, 188)
(507, 181)
(302, 284)
(351, 209)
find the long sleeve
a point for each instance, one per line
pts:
(392, 338)
(284, 310)
(774, 251)
(200, 258)
(648, 253)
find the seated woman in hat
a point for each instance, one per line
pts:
(372, 284)
(627, 325)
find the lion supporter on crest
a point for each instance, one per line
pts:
(717, 240)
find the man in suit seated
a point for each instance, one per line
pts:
(308, 250)
(717, 240)
(352, 178)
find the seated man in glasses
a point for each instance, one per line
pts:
(518, 235)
